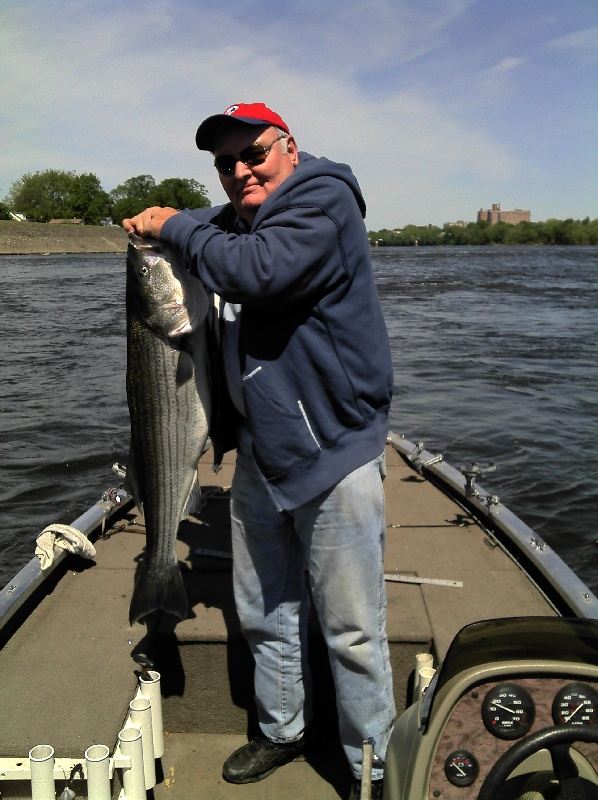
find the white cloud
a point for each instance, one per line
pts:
(349, 36)
(119, 90)
(582, 44)
(506, 65)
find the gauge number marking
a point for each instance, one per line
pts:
(508, 711)
(575, 704)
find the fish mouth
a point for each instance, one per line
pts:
(139, 243)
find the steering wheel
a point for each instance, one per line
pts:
(558, 741)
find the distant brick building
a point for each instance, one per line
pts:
(494, 215)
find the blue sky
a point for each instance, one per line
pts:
(441, 107)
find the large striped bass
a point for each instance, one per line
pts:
(169, 405)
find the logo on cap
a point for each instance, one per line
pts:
(231, 110)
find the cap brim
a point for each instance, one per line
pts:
(204, 138)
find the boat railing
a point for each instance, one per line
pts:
(511, 532)
(18, 590)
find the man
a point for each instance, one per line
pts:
(308, 368)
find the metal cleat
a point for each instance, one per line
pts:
(416, 461)
(472, 474)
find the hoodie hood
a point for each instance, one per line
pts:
(312, 173)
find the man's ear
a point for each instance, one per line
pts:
(293, 150)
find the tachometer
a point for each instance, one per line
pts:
(508, 711)
(575, 704)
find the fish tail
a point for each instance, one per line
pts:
(159, 590)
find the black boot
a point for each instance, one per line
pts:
(258, 759)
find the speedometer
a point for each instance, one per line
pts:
(508, 711)
(575, 704)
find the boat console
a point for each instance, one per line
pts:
(512, 713)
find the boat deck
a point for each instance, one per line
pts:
(67, 675)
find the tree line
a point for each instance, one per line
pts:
(553, 231)
(56, 194)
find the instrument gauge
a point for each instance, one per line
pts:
(461, 768)
(508, 711)
(575, 704)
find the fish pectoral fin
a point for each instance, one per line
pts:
(185, 370)
(195, 501)
(158, 590)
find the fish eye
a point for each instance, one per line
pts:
(143, 271)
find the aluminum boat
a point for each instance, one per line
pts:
(493, 638)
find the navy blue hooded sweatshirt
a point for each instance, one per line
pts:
(314, 350)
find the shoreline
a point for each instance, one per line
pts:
(44, 238)
(41, 238)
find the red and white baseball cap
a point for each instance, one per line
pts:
(250, 113)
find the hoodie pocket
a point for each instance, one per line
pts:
(281, 429)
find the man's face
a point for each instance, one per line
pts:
(248, 187)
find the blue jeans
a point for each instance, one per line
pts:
(339, 537)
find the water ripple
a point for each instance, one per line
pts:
(495, 353)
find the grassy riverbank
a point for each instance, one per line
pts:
(24, 238)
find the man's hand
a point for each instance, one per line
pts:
(149, 223)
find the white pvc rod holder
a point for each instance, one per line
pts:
(150, 687)
(422, 661)
(141, 715)
(41, 762)
(97, 758)
(133, 776)
(425, 676)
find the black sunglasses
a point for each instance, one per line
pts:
(251, 156)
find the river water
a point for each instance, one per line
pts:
(495, 353)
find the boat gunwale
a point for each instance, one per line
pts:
(552, 576)
(113, 504)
